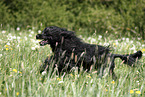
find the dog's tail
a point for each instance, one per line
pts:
(129, 59)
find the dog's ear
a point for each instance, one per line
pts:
(67, 33)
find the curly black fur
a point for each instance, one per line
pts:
(69, 51)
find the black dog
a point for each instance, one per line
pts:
(69, 51)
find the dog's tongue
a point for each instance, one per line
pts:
(43, 42)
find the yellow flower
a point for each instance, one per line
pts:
(114, 43)
(113, 82)
(5, 89)
(7, 49)
(106, 90)
(143, 50)
(17, 93)
(58, 79)
(71, 74)
(131, 91)
(6, 46)
(88, 76)
(20, 72)
(138, 92)
(15, 70)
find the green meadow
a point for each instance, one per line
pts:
(21, 57)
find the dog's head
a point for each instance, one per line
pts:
(53, 34)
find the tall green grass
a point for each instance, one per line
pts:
(21, 56)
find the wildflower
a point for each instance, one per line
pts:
(39, 31)
(7, 49)
(18, 28)
(60, 82)
(143, 50)
(44, 72)
(113, 82)
(88, 76)
(71, 75)
(32, 32)
(131, 91)
(3, 31)
(106, 90)
(17, 93)
(138, 92)
(58, 79)
(18, 38)
(30, 35)
(33, 48)
(8, 43)
(15, 70)
(114, 43)
(1, 55)
(6, 46)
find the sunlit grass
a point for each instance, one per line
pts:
(21, 56)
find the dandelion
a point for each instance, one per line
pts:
(58, 79)
(7, 49)
(131, 91)
(6, 46)
(15, 70)
(138, 92)
(71, 75)
(143, 50)
(113, 82)
(17, 93)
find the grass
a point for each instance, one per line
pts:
(21, 56)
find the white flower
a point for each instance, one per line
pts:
(143, 54)
(93, 40)
(8, 43)
(18, 45)
(39, 31)
(32, 32)
(30, 35)
(1, 55)
(44, 72)
(3, 31)
(18, 28)
(14, 37)
(33, 48)
(131, 41)
(29, 30)
(18, 38)
(60, 82)
(127, 39)
(25, 38)
(0, 40)
(123, 38)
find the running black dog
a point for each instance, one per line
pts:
(69, 51)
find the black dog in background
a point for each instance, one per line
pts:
(69, 51)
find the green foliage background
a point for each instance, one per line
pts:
(114, 16)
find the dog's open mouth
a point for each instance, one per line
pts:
(43, 42)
